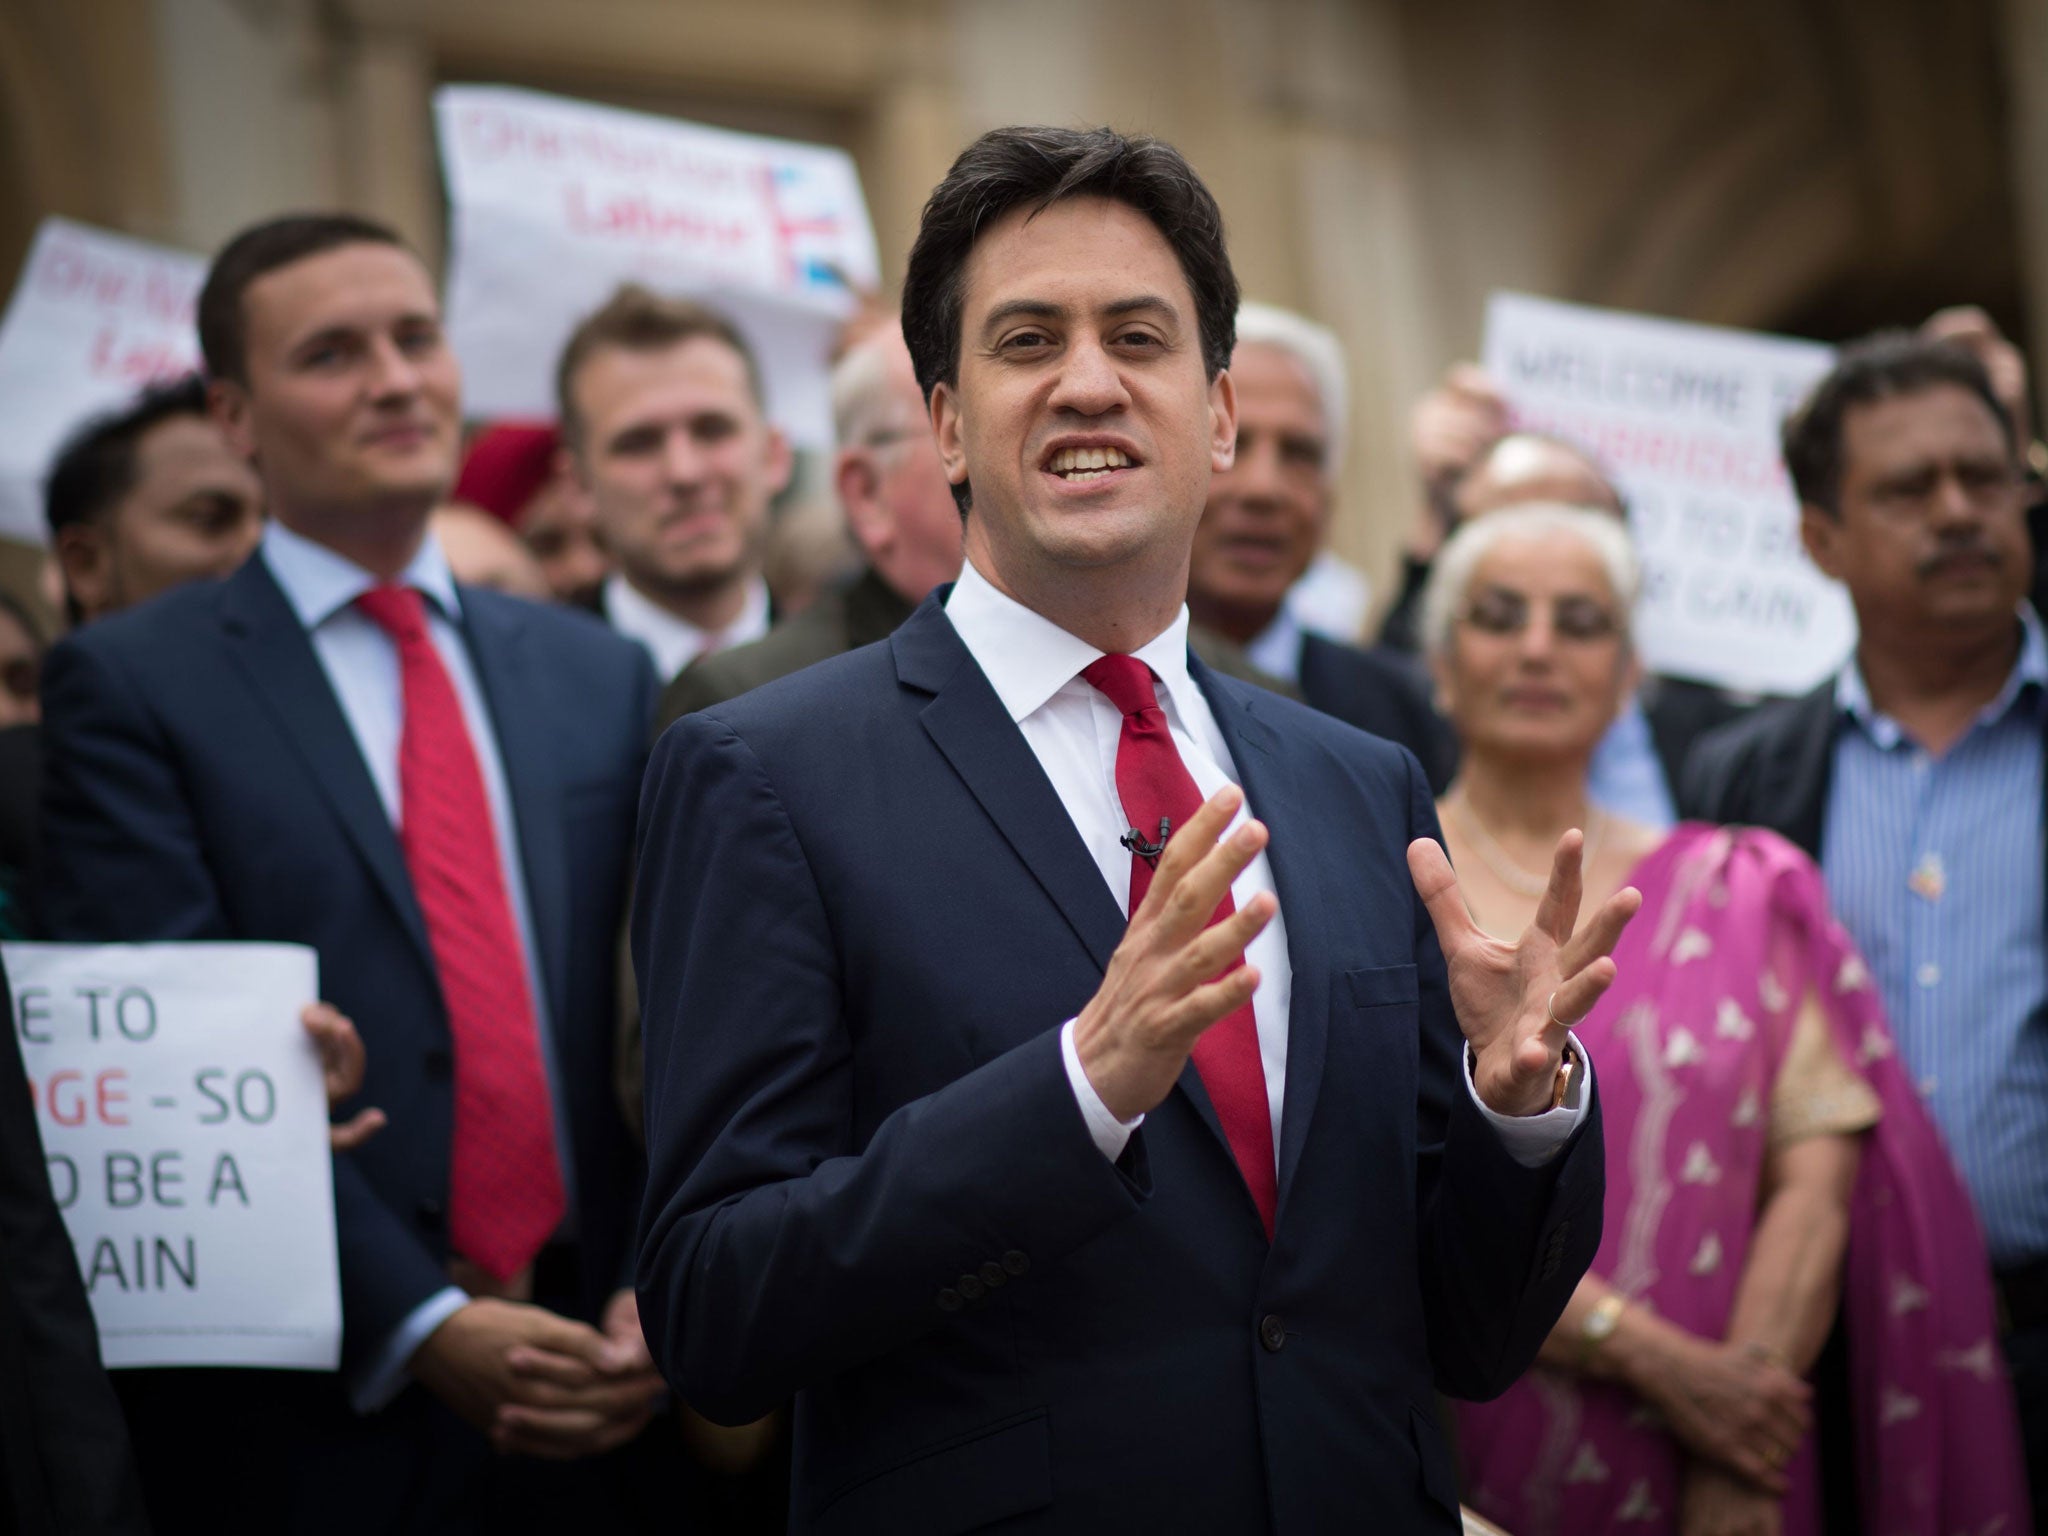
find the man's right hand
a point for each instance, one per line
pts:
(1162, 987)
(493, 1355)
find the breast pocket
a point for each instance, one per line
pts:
(1382, 1030)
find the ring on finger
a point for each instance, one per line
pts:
(1550, 1008)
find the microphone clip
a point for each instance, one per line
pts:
(1149, 852)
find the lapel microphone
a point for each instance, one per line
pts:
(1149, 852)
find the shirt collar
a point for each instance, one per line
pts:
(675, 641)
(1276, 649)
(1027, 658)
(318, 583)
(2030, 668)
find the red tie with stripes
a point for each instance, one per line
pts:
(504, 1183)
(1156, 787)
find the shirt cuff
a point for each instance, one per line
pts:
(383, 1376)
(1109, 1134)
(1533, 1140)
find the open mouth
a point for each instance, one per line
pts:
(1078, 465)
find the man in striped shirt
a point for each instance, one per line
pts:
(1915, 776)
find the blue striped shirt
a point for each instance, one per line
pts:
(1935, 866)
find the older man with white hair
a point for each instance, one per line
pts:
(1266, 519)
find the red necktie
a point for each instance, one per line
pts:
(504, 1184)
(1155, 786)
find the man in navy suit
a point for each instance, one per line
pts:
(433, 786)
(1050, 1219)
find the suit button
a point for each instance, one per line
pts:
(949, 1300)
(439, 1065)
(1016, 1261)
(992, 1275)
(970, 1287)
(1272, 1333)
(431, 1215)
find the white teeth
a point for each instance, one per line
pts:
(1088, 463)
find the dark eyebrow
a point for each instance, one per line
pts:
(1045, 309)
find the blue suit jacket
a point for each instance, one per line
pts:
(203, 783)
(863, 915)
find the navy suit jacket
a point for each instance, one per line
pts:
(202, 782)
(863, 915)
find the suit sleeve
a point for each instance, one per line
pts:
(62, 1438)
(1501, 1245)
(125, 863)
(776, 1248)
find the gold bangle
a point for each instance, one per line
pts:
(1599, 1326)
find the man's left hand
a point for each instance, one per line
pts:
(571, 1407)
(1516, 1002)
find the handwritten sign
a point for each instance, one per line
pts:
(554, 203)
(94, 317)
(185, 1125)
(1684, 419)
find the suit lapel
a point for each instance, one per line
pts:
(968, 723)
(495, 632)
(276, 655)
(1797, 779)
(1273, 791)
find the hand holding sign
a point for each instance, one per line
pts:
(341, 1072)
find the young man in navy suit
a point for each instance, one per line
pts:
(433, 786)
(1050, 1218)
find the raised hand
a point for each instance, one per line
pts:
(1162, 987)
(1516, 1002)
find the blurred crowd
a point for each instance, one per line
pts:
(343, 667)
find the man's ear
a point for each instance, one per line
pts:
(947, 430)
(87, 564)
(781, 461)
(228, 404)
(1222, 422)
(1821, 532)
(855, 479)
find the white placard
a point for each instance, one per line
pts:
(94, 317)
(1684, 418)
(554, 203)
(185, 1125)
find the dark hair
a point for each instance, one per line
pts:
(1034, 168)
(96, 466)
(638, 319)
(1881, 366)
(262, 248)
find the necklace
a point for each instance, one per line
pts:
(1506, 870)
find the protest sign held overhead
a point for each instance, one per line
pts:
(94, 317)
(1684, 419)
(184, 1122)
(554, 203)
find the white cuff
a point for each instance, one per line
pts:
(383, 1376)
(1109, 1134)
(1533, 1140)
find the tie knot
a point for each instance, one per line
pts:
(1125, 681)
(398, 611)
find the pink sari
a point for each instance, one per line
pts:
(1686, 1046)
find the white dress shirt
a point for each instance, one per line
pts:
(1073, 730)
(1276, 649)
(361, 663)
(674, 643)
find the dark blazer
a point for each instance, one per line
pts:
(863, 915)
(1383, 692)
(21, 792)
(203, 783)
(1770, 768)
(64, 1460)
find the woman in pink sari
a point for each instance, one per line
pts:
(1768, 1163)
